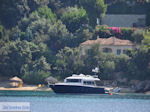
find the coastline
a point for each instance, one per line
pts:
(36, 88)
(4, 86)
(26, 88)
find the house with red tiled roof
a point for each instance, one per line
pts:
(108, 45)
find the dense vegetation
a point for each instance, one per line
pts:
(41, 38)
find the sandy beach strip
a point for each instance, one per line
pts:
(27, 88)
(5, 85)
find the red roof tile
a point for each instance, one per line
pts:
(108, 41)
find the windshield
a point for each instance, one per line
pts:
(73, 80)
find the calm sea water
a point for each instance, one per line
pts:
(51, 102)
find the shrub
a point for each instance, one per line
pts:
(35, 77)
(105, 31)
(127, 32)
(138, 36)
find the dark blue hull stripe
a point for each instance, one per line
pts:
(77, 89)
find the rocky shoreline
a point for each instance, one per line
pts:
(133, 86)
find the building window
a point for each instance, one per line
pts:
(107, 50)
(118, 51)
(124, 51)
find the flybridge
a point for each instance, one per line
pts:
(84, 77)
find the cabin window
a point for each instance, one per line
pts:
(88, 83)
(73, 80)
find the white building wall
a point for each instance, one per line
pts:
(84, 48)
(114, 48)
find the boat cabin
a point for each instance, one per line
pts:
(82, 80)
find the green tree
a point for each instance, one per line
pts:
(1, 31)
(146, 40)
(81, 35)
(36, 72)
(45, 12)
(36, 77)
(68, 62)
(17, 53)
(108, 70)
(138, 68)
(41, 13)
(138, 36)
(74, 18)
(95, 9)
(92, 58)
(122, 63)
(43, 26)
(12, 11)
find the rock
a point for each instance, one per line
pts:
(51, 80)
(147, 86)
(143, 86)
(116, 90)
(114, 83)
(140, 87)
(147, 93)
(126, 90)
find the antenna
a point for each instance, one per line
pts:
(96, 70)
(97, 21)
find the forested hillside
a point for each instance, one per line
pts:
(41, 38)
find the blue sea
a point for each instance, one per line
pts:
(51, 102)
